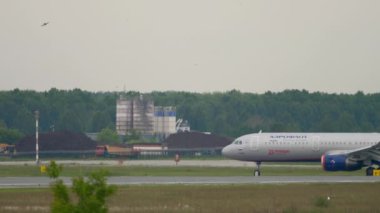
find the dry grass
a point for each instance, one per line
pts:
(216, 198)
(25, 200)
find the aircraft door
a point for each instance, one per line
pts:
(315, 143)
(254, 142)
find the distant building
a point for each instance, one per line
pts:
(141, 115)
(148, 148)
(164, 120)
(135, 114)
(183, 126)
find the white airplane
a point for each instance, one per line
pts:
(336, 151)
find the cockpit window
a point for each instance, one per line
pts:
(238, 142)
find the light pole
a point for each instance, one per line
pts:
(37, 115)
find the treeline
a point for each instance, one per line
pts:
(234, 113)
(231, 113)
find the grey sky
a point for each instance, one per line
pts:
(194, 45)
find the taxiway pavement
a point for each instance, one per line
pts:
(31, 182)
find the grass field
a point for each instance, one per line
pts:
(217, 198)
(348, 197)
(75, 170)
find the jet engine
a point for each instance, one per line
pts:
(339, 162)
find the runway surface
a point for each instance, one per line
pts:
(26, 182)
(14, 182)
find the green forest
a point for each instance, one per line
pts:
(230, 113)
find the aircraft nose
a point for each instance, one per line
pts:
(225, 151)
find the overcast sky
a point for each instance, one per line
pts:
(191, 45)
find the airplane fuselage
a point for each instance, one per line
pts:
(273, 147)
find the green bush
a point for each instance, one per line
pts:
(90, 193)
(53, 170)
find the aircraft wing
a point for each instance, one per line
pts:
(366, 154)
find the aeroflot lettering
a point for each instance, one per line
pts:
(289, 136)
(278, 151)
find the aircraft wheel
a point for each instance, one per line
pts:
(256, 171)
(369, 171)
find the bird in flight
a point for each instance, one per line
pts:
(44, 24)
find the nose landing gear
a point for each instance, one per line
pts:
(256, 171)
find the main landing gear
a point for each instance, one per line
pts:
(256, 171)
(370, 171)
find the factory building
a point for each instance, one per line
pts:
(134, 114)
(164, 120)
(121, 115)
(141, 115)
